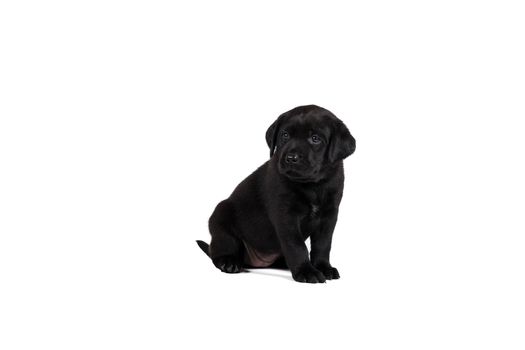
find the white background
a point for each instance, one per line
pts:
(123, 124)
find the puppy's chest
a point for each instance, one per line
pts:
(316, 202)
(315, 209)
(312, 221)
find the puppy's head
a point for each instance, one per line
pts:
(307, 141)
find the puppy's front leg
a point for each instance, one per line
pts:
(296, 255)
(322, 243)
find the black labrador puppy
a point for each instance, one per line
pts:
(293, 196)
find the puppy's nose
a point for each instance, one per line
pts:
(292, 158)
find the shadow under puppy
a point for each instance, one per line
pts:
(293, 196)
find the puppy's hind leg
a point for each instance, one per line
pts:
(226, 250)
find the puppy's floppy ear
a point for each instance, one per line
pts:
(342, 143)
(271, 135)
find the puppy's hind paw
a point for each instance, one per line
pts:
(228, 264)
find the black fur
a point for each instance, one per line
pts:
(204, 246)
(293, 196)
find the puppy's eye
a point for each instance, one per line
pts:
(316, 139)
(285, 136)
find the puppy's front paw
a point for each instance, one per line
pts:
(228, 264)
(307, 273)
(328, 271)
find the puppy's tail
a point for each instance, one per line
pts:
(204, 246)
